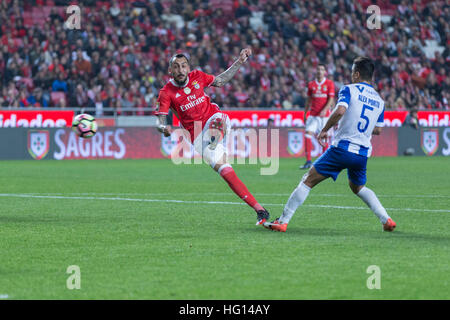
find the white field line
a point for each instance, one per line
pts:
(15, 195)
(335, 195)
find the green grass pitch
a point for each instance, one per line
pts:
(149, 229)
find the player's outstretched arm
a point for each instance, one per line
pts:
(226, 76)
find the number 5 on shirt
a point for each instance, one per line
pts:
(362, 126)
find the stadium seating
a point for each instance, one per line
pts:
(288, 38)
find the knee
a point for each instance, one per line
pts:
(306, 179)
(355, 188)
(219, 166)
(311, 178)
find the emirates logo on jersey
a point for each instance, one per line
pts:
(193, 101)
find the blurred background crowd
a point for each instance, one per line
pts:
(119, 58)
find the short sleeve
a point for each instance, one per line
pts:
(344, 97)
(331, 92)
(207, 79)
(380, 121)
(163, 103)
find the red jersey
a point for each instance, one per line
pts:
(188, 102)
(319, 94)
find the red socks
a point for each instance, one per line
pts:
(228, 174)
(308, 147)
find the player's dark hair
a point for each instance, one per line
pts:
(323, 65)
(176, 56)
(365, 67)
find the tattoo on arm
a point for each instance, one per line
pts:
(226, 76)
(162, 122)
(162, 119)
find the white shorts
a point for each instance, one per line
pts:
(211, 144)
(315, 124)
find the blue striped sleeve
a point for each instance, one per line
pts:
(380, 121)
(344, 96)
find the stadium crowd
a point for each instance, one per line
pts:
(119, 58)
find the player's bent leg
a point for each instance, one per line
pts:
(217, 158)
(371, 200)
(219, 164)
(354, 187)
(313, 178)
(227, 173)
(296, 199)
(218, 127)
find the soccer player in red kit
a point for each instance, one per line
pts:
(206, 124)
(319, 102)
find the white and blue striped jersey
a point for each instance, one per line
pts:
(365, 110)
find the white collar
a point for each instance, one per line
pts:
(172, 81)
(323, 81)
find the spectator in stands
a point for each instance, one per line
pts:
(412, 119)
(59, 84)
(12, 95)
(241, 9)
(433, 88)
(37, 99)
(11, 72)
(115, 9)
(81, 96)
(55, 18)
(82, 65)
(293, 34)
(445, 100)
(98, 105)
(23, 101)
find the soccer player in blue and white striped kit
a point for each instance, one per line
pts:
(359, 113)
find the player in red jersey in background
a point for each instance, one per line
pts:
(206, 124)
(319, 102)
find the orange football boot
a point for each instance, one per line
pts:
(276, 225)
(389, 225)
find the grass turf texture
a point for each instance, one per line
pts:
(168, 250)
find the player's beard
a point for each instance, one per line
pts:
(181, 82)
